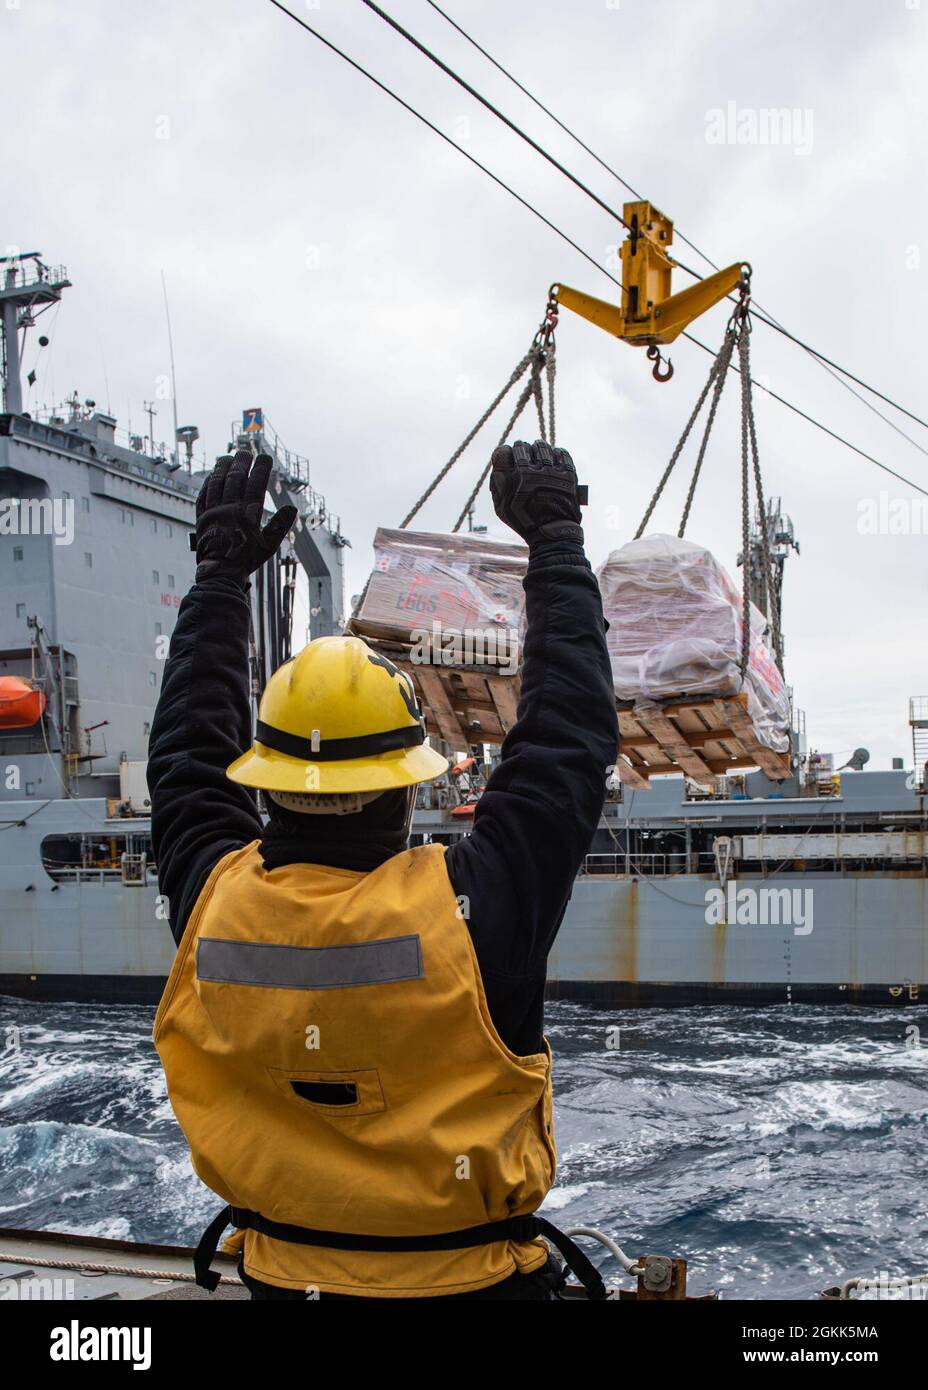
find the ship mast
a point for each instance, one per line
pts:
(25, 283)
(781, 539)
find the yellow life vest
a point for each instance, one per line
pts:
(331, 1060)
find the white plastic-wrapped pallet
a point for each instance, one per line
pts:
(675, 633)
(458, 581)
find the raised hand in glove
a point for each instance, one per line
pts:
(229, 540)
(535, 491)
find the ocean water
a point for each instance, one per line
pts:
(779, 1150)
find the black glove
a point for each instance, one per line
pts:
(228, 540)
(535, 491)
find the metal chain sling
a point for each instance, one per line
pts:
(550, 370)
(517, 374)
(714, 372)
(721, 376)
(737, 332)
(540, 357)
(528, 390)
(543, 357)
(749, 436)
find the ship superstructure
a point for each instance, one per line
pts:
(95, 557)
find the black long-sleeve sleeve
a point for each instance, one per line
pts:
(537, 816)
(201, 724)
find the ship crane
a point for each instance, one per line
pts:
(316, 545)
(781, 539)
(26, 283)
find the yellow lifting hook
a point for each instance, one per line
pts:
(648, 315)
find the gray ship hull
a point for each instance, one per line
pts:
(647, 941)
(82, 936)
(626, 938)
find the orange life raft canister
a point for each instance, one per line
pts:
(21, 703)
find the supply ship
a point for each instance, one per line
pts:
(810, 888)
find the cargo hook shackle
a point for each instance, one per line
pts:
(654, 354)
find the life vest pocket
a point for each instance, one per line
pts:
(346, 1093)
(327, 1092)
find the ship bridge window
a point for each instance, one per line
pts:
(155, 577)
(17, 552)
(83, 857)
(170, 530)
(170, 581)
(88, 559)
(20, 610)
(85, 504)
(154, 523)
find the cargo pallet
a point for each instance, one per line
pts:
(703, 738)
(462, 704)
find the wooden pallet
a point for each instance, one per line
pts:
(465, 705)
(702, 738)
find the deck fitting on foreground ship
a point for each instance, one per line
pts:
(40, 1265)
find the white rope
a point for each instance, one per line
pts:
(86, 1267)
(630, 1266)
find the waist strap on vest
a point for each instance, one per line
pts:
(516, 1228)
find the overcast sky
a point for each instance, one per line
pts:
(331, 260)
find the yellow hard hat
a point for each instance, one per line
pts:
(338, 717)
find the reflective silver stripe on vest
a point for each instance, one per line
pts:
(309, 967)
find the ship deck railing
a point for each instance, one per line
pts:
(81, 874)
(32, 272)
(57, 431)
(294, 469)
(658, 865)
(675, 864)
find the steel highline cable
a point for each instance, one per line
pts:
(440, 133)
(825, 363)
(569, 240)
(557, 121)
(539, 149)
